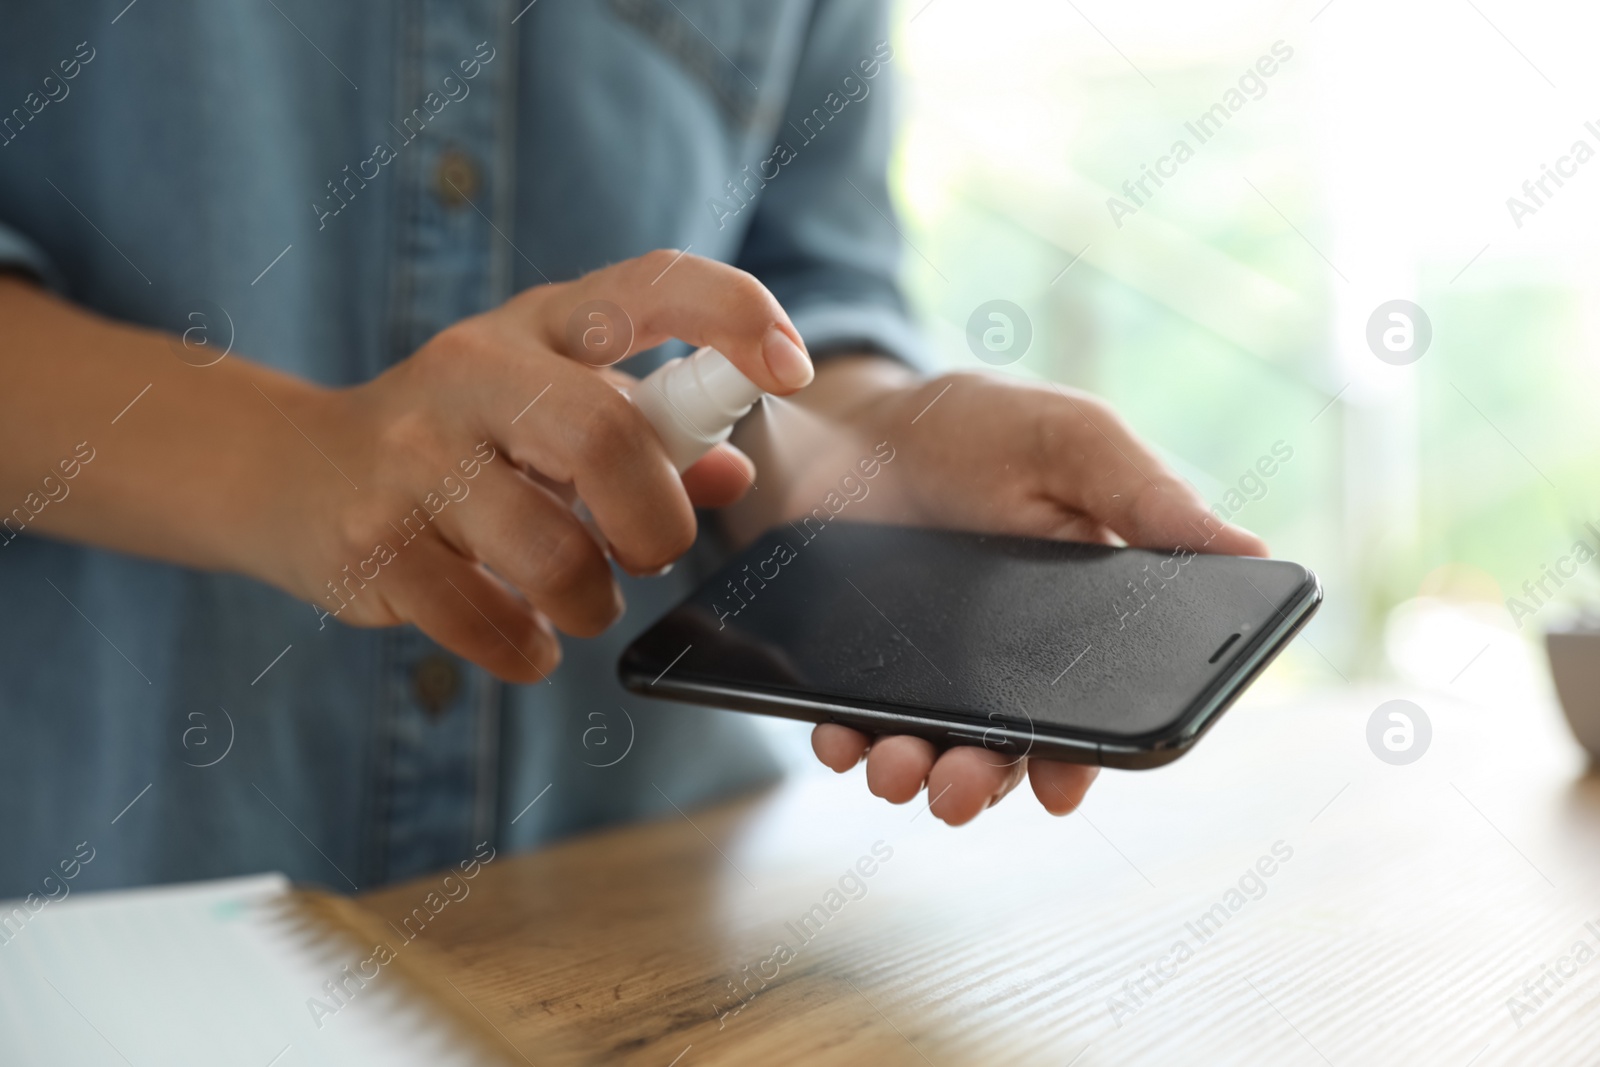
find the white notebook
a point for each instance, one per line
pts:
(200, 974)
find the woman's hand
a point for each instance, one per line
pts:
(980, 452)
(436, 494)
(445, 497)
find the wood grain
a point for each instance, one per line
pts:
(1414, 903)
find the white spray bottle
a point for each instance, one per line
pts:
(692, 403)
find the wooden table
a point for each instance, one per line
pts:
(1405, 907)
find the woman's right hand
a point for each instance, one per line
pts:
(435, 494)
(442, 497)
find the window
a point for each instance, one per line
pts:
(1335, 157)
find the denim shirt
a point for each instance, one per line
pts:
(323, 186)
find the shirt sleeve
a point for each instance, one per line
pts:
(18, 253)
(824, 238)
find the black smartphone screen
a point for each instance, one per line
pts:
(1091, 640)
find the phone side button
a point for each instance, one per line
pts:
(960, 737)
(993, 740)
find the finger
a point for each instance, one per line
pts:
(1231, 539)
(967, 779)
(897, 766)
(536, 543)
(720, 477)
(587, 433)
(838, 747)
(1060, 787)
(668, 294)
(466, 610)
(1019, 768)
(1099, 466)
(1072, 527)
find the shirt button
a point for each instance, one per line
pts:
(455, 181)
(437, 679)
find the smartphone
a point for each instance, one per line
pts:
(1095, 654)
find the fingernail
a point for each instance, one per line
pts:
(785, 360)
